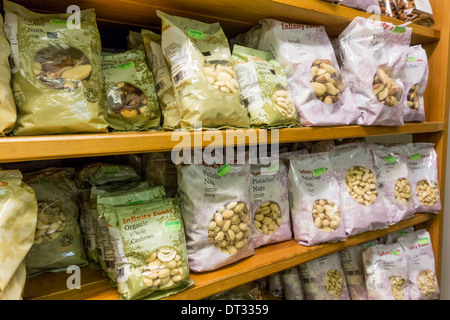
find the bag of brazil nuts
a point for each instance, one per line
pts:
(310, 64)
(423, 284)
(360, 199)
(215, 203)
(154, 262)
(199, 57)
(423, 170)
(264, 88)
(373, 55)
(56, 71)
(316, 210)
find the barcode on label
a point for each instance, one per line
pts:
(179, 77)
(159, 86)
(110, 264)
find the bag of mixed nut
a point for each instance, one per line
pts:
(129, 92)
(423, 284)
(8, 106)
(164, 85)
(199, 57)
(386, 272)
(374, 54)
(56, 72)
(390, 163)
(417, 11)
(360, 199)
(264, 89)
(423, 170)
(18, 215)
(215, 203)
(292, 284)
(154, 262)
(316, 211)
(415, 80)
(57, 242)
(324, 279)
(310, 64)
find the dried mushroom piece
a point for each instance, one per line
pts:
(127, 100)
(385, 88)
(326, 81)
(51, 221)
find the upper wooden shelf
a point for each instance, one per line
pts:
(27, 148)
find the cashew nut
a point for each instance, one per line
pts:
(326, 215)
(427, 193)
(362, 185)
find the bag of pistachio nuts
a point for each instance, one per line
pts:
(324, 279)
(269, 204)
(164, 85)
(264, 89)
(386, 272)
(215, 203)
(154, 263)
(374, 54)
(423, 170)
(57, 242)
(394, 185)
(417, 11)
(423, 284)
(310, 64)
(7, 106)
(360, 198)
(415, 80)
(56, 72)
(129, 92)
(199, 57)
(18, 215)
(316, 211)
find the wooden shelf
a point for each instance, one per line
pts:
(266, 260)
(23, 148)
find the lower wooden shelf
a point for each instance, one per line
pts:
(266, 260)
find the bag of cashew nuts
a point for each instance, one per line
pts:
(215, 203)
(264, 89)
(374, 54)
(8, 106)
(154, 262)
(269, 204)
(386, 272)
(130, 98)
(423, 170)
(360, 199)
(199, 57)
(423, 284)
(391, 166)
(417, 11)
(58, 242)
(324, 279)
(316, 211)
(415, 80)
(164, 85)
(18, 215)
(310, 64)
(56, 71)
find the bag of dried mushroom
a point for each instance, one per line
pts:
(130, 98)
(264, 89)
(57, 242)
(415, 80)
(417, 11)
(56, 72)
(164, 85)
(215, 207)
(423, 284)
(199, 57)
(374, 54)
(18, 216)
(7, 105)
(320, 96)
(154, 262)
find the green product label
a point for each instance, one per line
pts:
(368, 245)
(416, 156)
(172, 226)
(60, 22)
(425, 240)
(196, 34)
(126, 65)
(224, 170)
(43, 181)
(395, 252)
(390, 159)
(319, 171)
(399, 29)
(110, 170)
(412, 59)
(273, 168)
(137, 202)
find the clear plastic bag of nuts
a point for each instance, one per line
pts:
(417, 11)
(388, 8)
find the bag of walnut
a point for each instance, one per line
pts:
(215, 203)
(423, 284)
(373, 55)
(56, 72)
(129, 92)
(417, 11)
(58, 242)
(314, 77)
(199, 57)
(415, 80)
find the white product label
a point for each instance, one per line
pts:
(249, 85)
(424, 5)
(11, 32)
(120, 259)
(159, 69)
